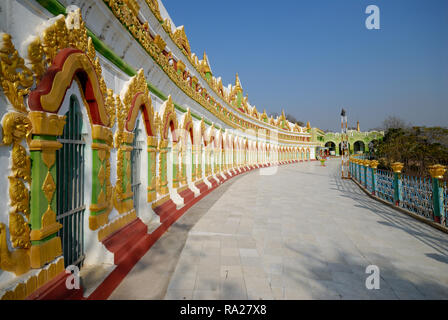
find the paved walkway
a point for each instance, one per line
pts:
(301, 233)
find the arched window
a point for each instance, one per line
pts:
(70, 186)
(135, 165)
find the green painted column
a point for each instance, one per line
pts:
(374, 169)
(175, 164)
(366, 169)
(45, 244)
(193, 163)
(152, 156)
(100, 206)
(199, 163)
(216, 158)
(163, 152)
(437, 171)
(208, 157)
(397, 167)
(358, 171)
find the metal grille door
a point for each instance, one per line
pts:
(70, 187)
(135, 166)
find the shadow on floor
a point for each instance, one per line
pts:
(159, 263)
(428, 235)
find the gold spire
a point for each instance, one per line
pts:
(357, 126)
(238, 84)
(204, 64)
(308, 126)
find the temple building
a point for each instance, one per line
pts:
(359, 142)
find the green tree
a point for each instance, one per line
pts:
(416, 147)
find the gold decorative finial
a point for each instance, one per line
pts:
(437, 171)
(357, 127)
(397, 167)
(308, 126)
(238, 83)
(204, 64)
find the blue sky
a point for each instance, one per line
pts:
(312, 57)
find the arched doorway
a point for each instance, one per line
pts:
(331, 147)
(70, 184)
(359, 147)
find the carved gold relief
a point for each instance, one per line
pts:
(133, 6)
(16, 127)
(19, 196)
(160, 43)
(49, 225)
(15, 78)
(19, 231)
(44, 123)
(54, 38)
(49, 187)
(111, 107)
(154, 6)
(21, 163)
(136, 95)
(36, 58)
(33, 283)
(17, 261)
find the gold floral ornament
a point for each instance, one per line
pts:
(181, 40)
(55, 38)
(133, 6)
(19, 231)
(15, 78)
(166, 25)
(111, 107)
(159, 42)
(21, 163)
(19, 196)
(63, 33)
(49, 187)
(154, 6)
(36, 58)
(16, 127)
(17, 261)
